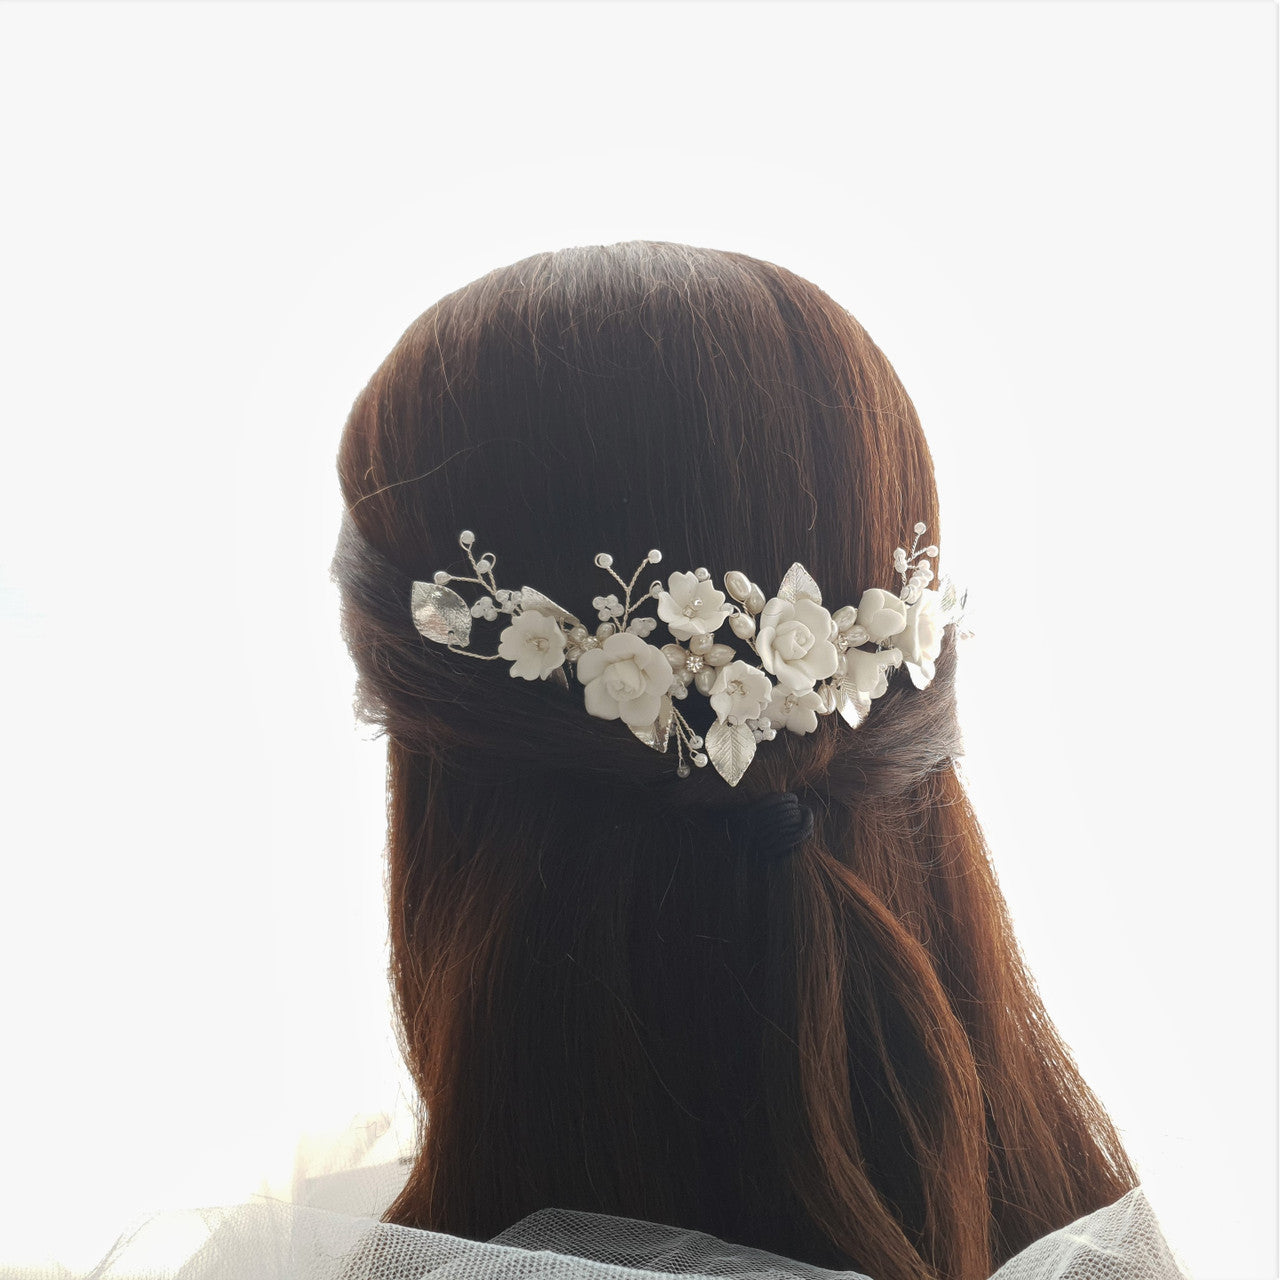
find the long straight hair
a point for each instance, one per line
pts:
(604, 1003)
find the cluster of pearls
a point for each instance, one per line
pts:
(915, 577)
(697, 664)
(607, 607)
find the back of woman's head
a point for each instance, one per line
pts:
(608, 1003)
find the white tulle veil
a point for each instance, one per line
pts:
(273, 1240)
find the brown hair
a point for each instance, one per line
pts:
(839, 1057)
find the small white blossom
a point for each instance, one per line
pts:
(921, 639)
(691, 606)
(740, 692)
(533, 644)
(867, 669)
(881, 614)
(798, 712)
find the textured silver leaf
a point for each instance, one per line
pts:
(531, 599)
(440, 614)
(851, 702)
(730, 748)
(952, 602)
(798, 585)
(657, 734)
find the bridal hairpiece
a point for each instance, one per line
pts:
(819, 661)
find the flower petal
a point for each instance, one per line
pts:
(598, 701)
(590, 665)
(794, 678)
(642, 710)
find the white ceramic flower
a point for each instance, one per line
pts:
(881, 614)
(625, 679)
(921, 639)
(740, 692)
(533, 644)
(867, 669)
(795, 711)
(691, 606)
(796, 642)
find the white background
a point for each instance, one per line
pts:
(1056, 219)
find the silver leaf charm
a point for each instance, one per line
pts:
(531, 599)
(730, 748)
(657, 734)
(952, 603)
(852, 703)
(440, 614)
(798, 585)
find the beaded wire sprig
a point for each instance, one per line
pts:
(820, 661)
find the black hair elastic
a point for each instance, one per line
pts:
(770, 826)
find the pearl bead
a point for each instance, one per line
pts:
(440, 577)
(743, 625)
(920, 526)
(605, 630)
(466, 537)
(702, 575)
(931, 549)
(699, 758)
(755, 599)
(578, 634)
(654, 556)
(705, 679)
(737, 584)
(700, 644)
(604, 560)
(718, 655)
(695, 741)
(845, 618)
(675, 655)
(682, 770)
